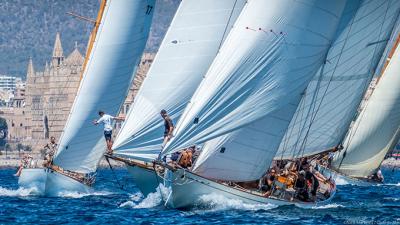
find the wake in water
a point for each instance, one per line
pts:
(218, 202)
(328, 206)
(20, 192)
(73, 194)
(138, 201)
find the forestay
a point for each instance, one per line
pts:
(188, 49)
(265, 63)
(376, 129)
(117, 49)
(332, 98)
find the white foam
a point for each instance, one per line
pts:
(137, 201)
(219, 202)
(340, 181)
(74, 194)
(328, 206)
(20, 192)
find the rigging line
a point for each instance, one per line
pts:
(302, 147)
(366, 85)
(113, 172)
(226, 26)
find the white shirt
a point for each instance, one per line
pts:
(107, 120)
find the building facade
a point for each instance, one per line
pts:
(40, 108)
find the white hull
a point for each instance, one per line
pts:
(33, 179)
(58, 184)
(341, 179)
(50, 183)
(145, 179)
(188, 190)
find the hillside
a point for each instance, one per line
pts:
(28, 28)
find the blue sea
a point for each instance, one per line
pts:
(113, 204)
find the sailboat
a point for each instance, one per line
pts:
(333, 97)
(192, 41)
(243, 106)
(375, 131)
(116, 45)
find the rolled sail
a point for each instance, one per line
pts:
(333, 96)
(119, 43)
(264, 64)
(188, 49)
(376, 129)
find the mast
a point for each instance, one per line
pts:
(93, 34)
(116, 45)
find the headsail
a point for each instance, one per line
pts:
(188, 49)
(250, 149)
(119, 43)
(332, 98)
(376, 129)
(265, 63)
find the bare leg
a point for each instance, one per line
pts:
(18, 172)
(109, 145)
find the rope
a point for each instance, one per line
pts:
(115, 176)
(356, 126)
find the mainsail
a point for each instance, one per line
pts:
(333, 96)
(258, 141)
(118, 45)
(188, 49)
(376, 129)
(264, 64)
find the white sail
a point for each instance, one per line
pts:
(265, 62)
(332, 98)
(119, 43)
(376, 129)
(250, 149)
(188, 49)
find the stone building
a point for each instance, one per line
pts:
(50, 93)
(41, 108)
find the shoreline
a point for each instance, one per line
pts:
(14, 164)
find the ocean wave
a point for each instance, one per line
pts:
(74, 194)
(219, 202)
(328, 206)
(138, 201)
(20, 192)
(340, 181)
(389, 184)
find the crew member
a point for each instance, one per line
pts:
(107, 121)
(169, 126)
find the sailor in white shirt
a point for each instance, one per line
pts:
(107, 120)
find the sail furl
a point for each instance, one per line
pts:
(188, 49)
(113, 60)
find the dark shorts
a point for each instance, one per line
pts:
(107, 135)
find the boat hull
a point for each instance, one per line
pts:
(49, 183)
(33, 179)
(58, 184)
(188, 190)
(341, 179)
(145, 178)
